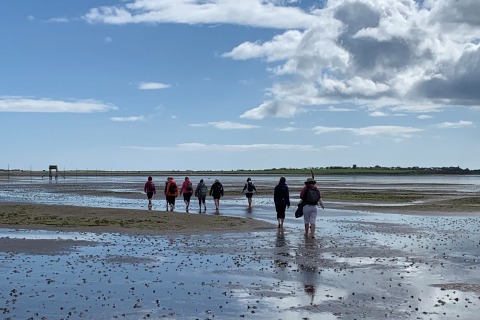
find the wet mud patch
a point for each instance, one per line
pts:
(465, 287)
(128, 260)
(41, 246)
(382, 227)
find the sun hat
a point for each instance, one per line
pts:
(310, 181)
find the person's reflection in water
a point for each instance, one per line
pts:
(308, 257)
(281, 250)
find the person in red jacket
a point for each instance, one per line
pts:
(311, 198)
(187, 191)
(150, 190)
(171, 192)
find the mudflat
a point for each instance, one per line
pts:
(398, 254)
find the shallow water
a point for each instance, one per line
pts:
(362, 265)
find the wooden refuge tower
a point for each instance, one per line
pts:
(52, 168)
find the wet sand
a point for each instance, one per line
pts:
(68, 262)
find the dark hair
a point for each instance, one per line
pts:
(248, 179)
(150, 178)
(283, 180)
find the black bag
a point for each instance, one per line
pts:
(299, 211)
(172, 189)
(313, 196)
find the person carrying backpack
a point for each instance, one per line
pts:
(201, 193)
(311, 198)
(150, 190)
(249, 189)
(216, 191)
(187, 191)
(171, 192)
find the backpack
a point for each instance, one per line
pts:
(172, 189)
(189, 187)
(150, 186)
(202, 192)
(313, 196)
(250, 186)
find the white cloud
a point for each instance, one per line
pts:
(396, 56)
(228, 125)
(335, 147)
(108, 39)
(322, 129)
(128, 119)
(393, 131)
(259, 13)
(194, 146)
(383, 131)
(153, 86)
(288, 129)
(455, 125)
(424, 117)
(337, 109)
(21, 104)
(58, 20)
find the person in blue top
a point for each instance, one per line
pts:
(281, 197)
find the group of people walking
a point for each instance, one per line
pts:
(309, 195)
(172, 191)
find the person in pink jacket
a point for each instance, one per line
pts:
(150, 190)
(187, 191)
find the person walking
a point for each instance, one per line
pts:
(150, 190)
(171, 192)
(311, 198)
(187, 191)
(216, 191)
(249, 189)
(201, 193)
(281, 197)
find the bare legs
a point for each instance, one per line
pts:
(249, 202)
(311, 227)
(200, 201)
(280, 222)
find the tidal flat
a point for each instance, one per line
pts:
(90, 249)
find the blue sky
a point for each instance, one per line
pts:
(228, 84)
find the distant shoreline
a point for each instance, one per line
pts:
(6, 173)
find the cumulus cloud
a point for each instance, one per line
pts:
(399, 56)
(393, 54)
(22, 104)
(153, 86)
(128, 119)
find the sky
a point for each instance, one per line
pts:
(228, 84)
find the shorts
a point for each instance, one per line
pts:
(280, 208)
(249, 194)
(149, 195)
(170, 199)
(310, 213)
(187, 196)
